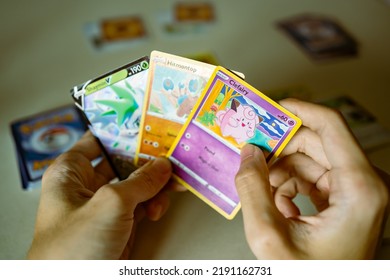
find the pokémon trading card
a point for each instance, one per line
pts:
(112, 104)
(229, 113)
(174, 86)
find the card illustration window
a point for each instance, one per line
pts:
(228, 114)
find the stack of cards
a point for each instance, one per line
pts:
(187, 19)
(116, 33)
(194, 12)
(368, 131)
(39, 139)
(196, 114)
(320, 37)
(183, 19)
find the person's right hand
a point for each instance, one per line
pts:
(324, 162)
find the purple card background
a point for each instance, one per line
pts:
(219, 171)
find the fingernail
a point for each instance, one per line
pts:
(247, 151)
(162, 164)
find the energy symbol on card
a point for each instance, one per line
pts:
(138, 68)
(283, 118)
(144, 65)
(155, 144)
(185, 147)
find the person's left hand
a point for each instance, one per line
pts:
(82, 216)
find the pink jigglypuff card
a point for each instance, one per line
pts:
(228, 114)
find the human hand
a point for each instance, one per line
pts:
(82, 216)
(324, 162)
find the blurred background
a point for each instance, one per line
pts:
(47, 47)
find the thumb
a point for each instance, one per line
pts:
(147, 181)
(262, 220)
(141, 185)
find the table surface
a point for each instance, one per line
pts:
(44, 52)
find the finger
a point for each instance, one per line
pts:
(103, 174)
(252, 183)
(295, 174)
(309, 143)
(175, 186)
(145, 182)
(292, 175)
(157, 206)
(285, 194)
(298, 166)
(339, 144)
(87, 146)
(139, 214)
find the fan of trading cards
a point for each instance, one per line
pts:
(196, 114)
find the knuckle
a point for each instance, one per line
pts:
(65, 166)
(110, 194)
(381, 199)
(245, 176)
(144, 179)
(250, 174)
(371, 191)
(261, 242)
(67, 159)
(247, 184)
(112, 202)
(58, 166)
(266, 244)
(334, 115)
